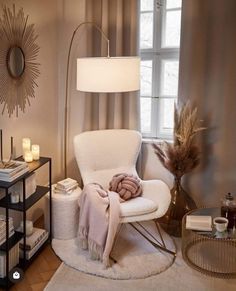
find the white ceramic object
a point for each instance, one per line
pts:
(29, 227)
(26, 144)
(15, 198)
(28, 156)
(220, 223)
(36, 152)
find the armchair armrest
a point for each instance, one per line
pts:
(159, 193)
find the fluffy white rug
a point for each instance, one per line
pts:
(179, 277)
(136, 258)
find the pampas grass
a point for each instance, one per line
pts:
(181, 156)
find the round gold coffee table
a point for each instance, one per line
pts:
(205, 252)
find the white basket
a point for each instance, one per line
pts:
(13, 260)
(30, 187)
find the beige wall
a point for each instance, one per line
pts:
(71, 13)
(40, 121)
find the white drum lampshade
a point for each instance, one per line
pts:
(108, 74)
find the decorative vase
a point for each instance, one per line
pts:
(181, 203)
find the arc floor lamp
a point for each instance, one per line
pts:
(100, 75)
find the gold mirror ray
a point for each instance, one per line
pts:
(18, 61)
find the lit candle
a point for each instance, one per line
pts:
(28, 156)
(26, 143)
(35, 151)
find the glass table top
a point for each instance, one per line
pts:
(213, 212)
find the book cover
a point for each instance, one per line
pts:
(7, 178)
(14, 166)
(199, 222)
(64, 184)
(65, 191)
(30, 253)
(34, 238)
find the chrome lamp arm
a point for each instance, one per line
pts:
(67, 85)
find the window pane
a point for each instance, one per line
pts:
(146, 30)
(146, 5)
(170, 75)
(167, 113)
(145, 114)
(172, 28)
(146, 78)
(173, 4)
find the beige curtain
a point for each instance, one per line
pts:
(208, 78)
(119, 21)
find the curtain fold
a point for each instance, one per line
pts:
(207, 77)
(119, 20)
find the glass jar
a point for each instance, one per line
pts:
(228, 210)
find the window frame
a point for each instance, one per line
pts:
(157, 54)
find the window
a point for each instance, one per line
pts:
(159, 44)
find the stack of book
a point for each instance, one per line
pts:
(199, 222)
(33, 242)
(66, 186)
(12, 170)
(3, 228)
(13, 259)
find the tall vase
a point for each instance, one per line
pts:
(181, 203)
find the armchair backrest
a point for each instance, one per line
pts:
(101, 154)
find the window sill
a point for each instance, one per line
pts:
(147, 140)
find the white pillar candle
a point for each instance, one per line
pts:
(15, 198)
(28, 156)
(26, 144)
(35, 151)
(28, 227)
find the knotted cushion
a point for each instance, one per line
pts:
(126, 185)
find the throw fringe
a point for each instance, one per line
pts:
(95, 250)
(106, 262)
(82, 237)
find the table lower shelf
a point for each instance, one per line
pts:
(39, 193)
(12, 241)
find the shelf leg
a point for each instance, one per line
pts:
(24, 222)
(7, 240)
(50, 200)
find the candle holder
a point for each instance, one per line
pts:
(28, 157)
(9, 162)
(36, 152)
(26, 145)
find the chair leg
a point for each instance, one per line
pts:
(159, 231)
(156, 244)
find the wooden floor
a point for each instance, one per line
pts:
(40, 271)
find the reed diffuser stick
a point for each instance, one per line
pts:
(12, 143)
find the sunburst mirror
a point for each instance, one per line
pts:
(18, 61)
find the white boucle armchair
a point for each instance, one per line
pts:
(103, 153)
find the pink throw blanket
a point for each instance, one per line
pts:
(100, 214)
(98, 222)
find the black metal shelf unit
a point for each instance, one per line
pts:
(5, 202)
